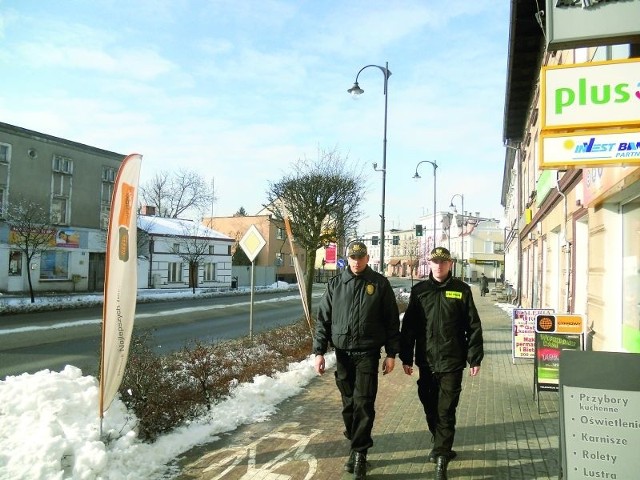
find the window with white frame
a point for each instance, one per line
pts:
(59, 207)
(292, 260)
(61, 180)
(108, 174)
(5, 153)
(5, 157)
(54, 265)
(280, 233)
(212, 249)
(176, 248)
(3, 201)
(279, 259)
(106, 192)
(209, 274)
(174, 272)
(15, 263)
(62, 164)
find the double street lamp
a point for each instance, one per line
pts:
(462, 236)
(356, 90)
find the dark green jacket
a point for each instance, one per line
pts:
(442, 325)
(358, 312)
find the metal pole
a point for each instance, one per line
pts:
(356, 90)
(384, 167)
(253, 263)
(462, 237)
(434, 202)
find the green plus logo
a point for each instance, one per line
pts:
(586, 94)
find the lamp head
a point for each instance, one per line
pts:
(355, 90)
(416, 175)
(375, 165)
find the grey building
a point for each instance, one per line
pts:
(73, 183)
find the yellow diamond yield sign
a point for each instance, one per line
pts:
(252, 242)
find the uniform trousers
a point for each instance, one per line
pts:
(357, 380)
(439, 394)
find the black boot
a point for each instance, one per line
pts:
(360, 466)
(441, 467)
(348, 465)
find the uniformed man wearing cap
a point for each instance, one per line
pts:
(358, 315)
(442, 327)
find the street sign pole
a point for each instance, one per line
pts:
(252, 242)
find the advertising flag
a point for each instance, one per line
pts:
(120, 284)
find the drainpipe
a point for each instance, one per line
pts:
(567, 244)
(518, 155)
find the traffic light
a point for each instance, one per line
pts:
(418, 230)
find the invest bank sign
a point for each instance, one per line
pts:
(590, 114)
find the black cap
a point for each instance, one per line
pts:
(357, 249)
(440, 253)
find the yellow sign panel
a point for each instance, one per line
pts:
(560, 323)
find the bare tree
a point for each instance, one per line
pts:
(192, 247)
(321, 198)
(30, 232)
(176, 193)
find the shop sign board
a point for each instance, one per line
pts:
(524, 330)
(589, 96)
(565, 323)
(549, 350)
(575, 24)
(603, 148)
(599, 423)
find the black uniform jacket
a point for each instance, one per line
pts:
(442, 325)
(358, 313)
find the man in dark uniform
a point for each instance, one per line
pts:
(358, 315)
(441, 324)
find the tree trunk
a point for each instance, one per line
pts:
(193, 276)
(29, 280)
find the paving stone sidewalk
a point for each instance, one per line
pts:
(500, 434)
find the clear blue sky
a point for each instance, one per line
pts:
(239, 90)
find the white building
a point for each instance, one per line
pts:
(177, 253)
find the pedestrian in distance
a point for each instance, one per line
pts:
(484, 285)
(442, 328)
(358, 315)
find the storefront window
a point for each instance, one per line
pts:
(15, 263)
(54, 265)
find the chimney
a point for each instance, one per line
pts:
(149, 210)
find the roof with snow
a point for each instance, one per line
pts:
(178, 227)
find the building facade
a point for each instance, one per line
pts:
(276, 255)
(72, 183)
(177, 253)
(572, 240)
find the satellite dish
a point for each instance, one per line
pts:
(32, 152)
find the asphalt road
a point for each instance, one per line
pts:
(32, 342)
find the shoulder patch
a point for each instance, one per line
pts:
(452, 294)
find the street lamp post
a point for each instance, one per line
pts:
(416, 176)
(462, 236)
(356, 90)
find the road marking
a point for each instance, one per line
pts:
(237, 457)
